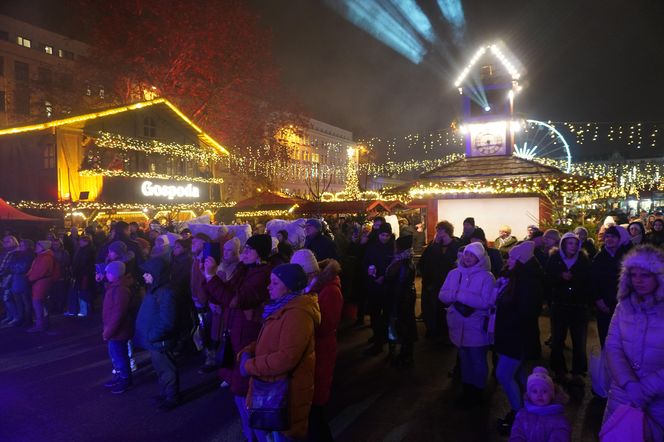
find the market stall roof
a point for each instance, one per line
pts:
(332, 207)
(268, 199)
(490, 167)
(9, 213)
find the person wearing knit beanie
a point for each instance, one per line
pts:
(262, 244)
(292, 276)
(118, 248)
(44, 244)
(116, 269)
(307, 260)
(540, 388)
(522, 252)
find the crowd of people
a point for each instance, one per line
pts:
(264, 314)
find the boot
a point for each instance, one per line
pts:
(82, 308)
(504, 425)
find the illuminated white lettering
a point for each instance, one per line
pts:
(170, 191)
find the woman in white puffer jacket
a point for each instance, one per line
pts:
(468, 293)
(635, 343)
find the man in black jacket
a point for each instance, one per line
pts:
(436, 262)
(568, 274)
(604, 274)
(322, 246)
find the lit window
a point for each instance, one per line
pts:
(48, 157)
(23, 42)
(48, 49)
(149, 127)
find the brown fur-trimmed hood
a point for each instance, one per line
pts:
(330, 270)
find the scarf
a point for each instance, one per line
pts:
(278, 304)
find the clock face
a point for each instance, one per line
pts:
(488, 139)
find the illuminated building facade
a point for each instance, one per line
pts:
(319, 155)
(147, 155)
(37, 73)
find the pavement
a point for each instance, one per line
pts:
(51, 390)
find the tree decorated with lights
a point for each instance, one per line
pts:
(352, 184)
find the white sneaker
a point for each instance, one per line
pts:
(224, 384)
(132, 365)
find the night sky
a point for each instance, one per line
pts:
(585, 60)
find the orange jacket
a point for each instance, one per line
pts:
(41, 274)
(285, 347)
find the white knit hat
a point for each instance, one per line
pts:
(306, 259)
(540, 376)
(477, 249)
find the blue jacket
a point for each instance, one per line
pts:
(19, 265)
(156, 323)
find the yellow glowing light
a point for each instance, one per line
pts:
(205, 138)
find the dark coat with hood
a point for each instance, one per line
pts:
(242, 299)
(157, 321)
(605, 272)
(331, 302)
(400, 280)
(83, 268)
(285, 347)
(436, 262)
(322, 246)
(379, 255)
(575, 292)
(118, 323)
(518, 307)
(19, 264)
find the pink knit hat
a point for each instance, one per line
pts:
(540, 376)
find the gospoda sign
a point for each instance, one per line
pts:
(169, 191)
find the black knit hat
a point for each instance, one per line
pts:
(262, 244)
(479, 234)
(385, 228)
(292, 275)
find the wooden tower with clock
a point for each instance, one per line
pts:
(488, 86)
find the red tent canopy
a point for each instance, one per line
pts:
(9, 213)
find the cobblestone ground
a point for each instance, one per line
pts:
(51, 389)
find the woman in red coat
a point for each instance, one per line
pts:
(41, 275)
(323, 280)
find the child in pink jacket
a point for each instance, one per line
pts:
(543, 417)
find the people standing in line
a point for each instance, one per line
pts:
(438, 258)
(468, 229)
(322, 280)
(285, 347)
(83, 278)
(637, 232)
(118, 324)
(568, 274)
(376, 259)
(505, 240)
(587, 243)
(635, 345)
(468, 291)
(656, 236)
(543, 417)
(156, 330)
(604, 275)
(42, 274)
(9, 246)
(518, 300)
(400, 280)
(322, 246)
(248, 292)
(495, 257)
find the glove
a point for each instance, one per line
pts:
(635, 393)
